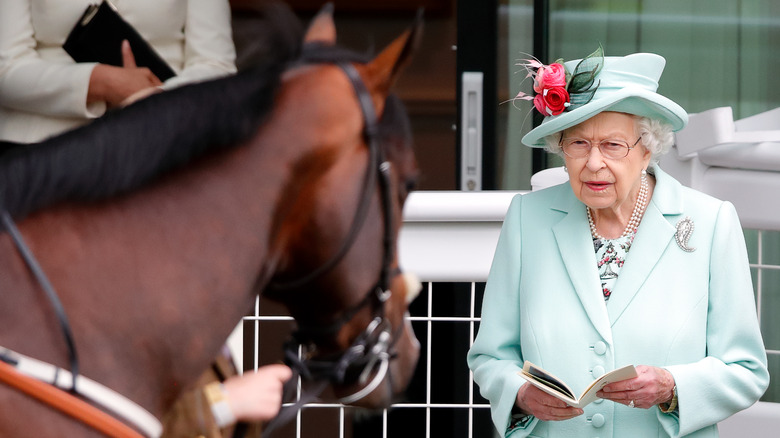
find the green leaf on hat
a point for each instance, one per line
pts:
(582, 97)
(580, 86)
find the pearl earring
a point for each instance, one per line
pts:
(644, 172)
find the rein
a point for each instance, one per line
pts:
(58, 388)
(51, 294)
(373, 346)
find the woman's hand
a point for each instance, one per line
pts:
(257, 396)
(114, 85)
(141, 94)
(652, 386)
(532, 400)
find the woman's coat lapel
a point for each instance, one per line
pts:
(574, 246)
(655, 234)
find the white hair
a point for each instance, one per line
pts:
(657, 137)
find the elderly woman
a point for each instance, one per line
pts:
(620, 266)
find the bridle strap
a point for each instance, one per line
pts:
(375, 162)
(335, 369)
(371, 131)
(51, 294)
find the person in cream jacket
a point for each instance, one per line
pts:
(43, 92)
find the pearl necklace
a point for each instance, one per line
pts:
(636, 215)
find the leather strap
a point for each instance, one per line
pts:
(110, 401)
(67, 403)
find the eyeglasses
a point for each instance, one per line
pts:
(610, 148)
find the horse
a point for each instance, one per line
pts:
(132, 246)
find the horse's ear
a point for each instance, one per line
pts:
(322, 29)
(382, 72)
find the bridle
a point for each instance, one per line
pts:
(372, 349)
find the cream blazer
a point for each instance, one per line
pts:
(692, 313)
(44, 92)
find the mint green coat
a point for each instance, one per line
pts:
(692, 313)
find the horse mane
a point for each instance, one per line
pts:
(126, 149)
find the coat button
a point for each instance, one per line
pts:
(598, 420)
(600, 348)
(597, 372)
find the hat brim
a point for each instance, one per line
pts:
(630, 100)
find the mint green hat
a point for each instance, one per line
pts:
(624, 84)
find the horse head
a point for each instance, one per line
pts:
(344, 287)
(165, 218)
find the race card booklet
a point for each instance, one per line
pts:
(555, 387)
(98, 35)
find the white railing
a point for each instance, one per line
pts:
(451, 236)
(734, 160)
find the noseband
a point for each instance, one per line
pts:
(372, 349)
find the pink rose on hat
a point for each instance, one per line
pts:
(555, 85)
(549, 76)
(550, 81)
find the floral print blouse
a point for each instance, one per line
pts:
(610, 256)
